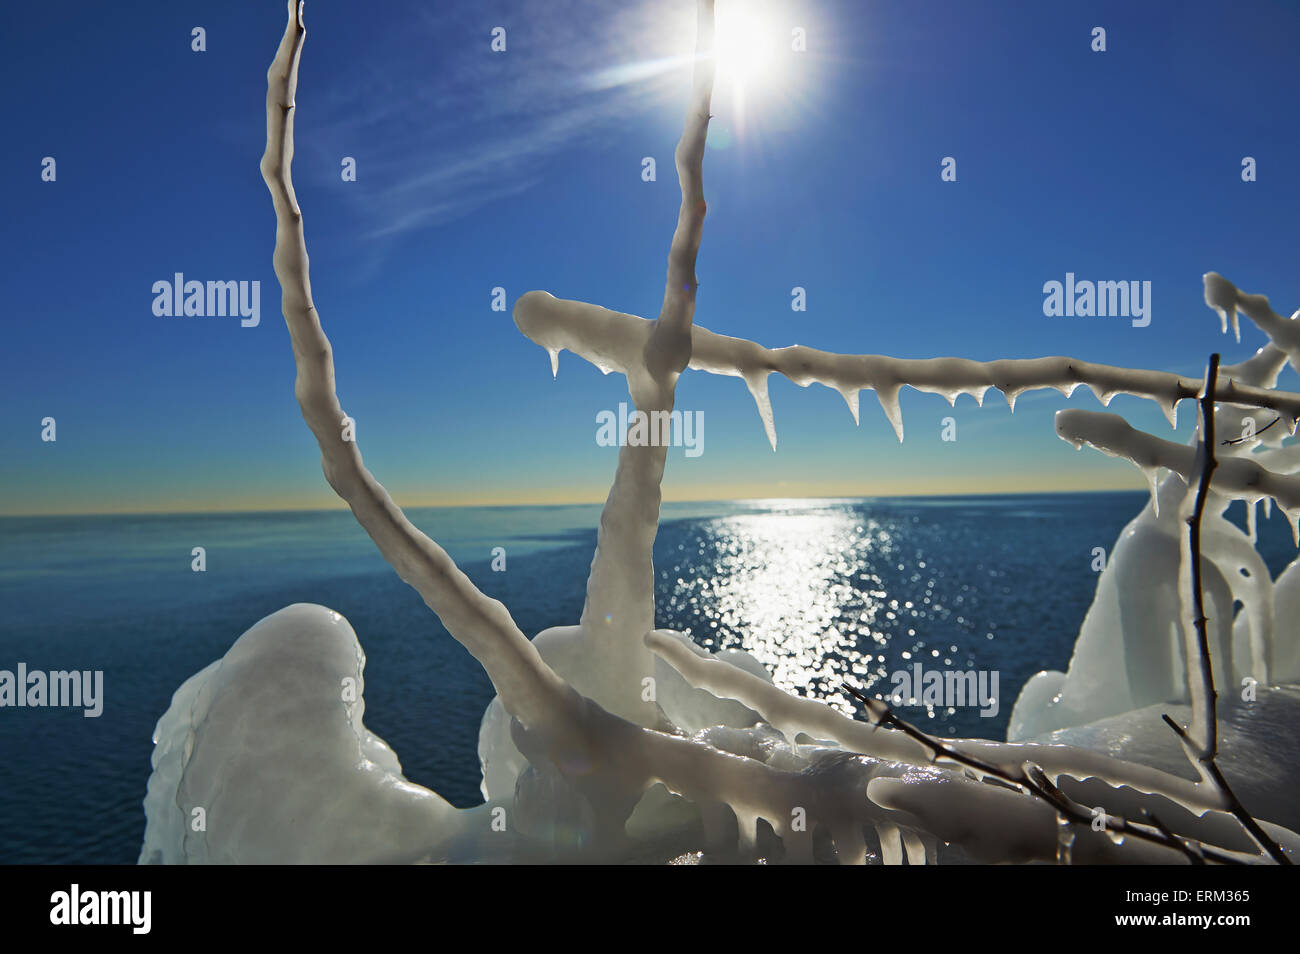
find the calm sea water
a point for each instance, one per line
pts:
(815, 589)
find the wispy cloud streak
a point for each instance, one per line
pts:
(477, 126)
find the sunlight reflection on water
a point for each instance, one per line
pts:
(818, 596)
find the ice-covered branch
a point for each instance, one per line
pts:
(669, 348)
(1203, 751)
(792, 715)
(1238, 477)
(1227, 299)
(527, 686)
(613, 342)
(619, 607)
(1031, 779)
(796, 716)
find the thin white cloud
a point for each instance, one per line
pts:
(448, 127)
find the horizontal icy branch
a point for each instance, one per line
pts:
(1236, 477)
(1227, 299)
(791, 715)
(614, 341)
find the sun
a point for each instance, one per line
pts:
(753, 47)
(746, 44)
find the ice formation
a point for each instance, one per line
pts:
(581, 762)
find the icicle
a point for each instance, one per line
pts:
(1064, 840)
(979, 395)
(1221, 295)
(1011, 394)
(757, 384)
(851, 399)
(888, 397)
(747, 829)
(1152, 475)
(1293, 516)
(915, 847)
(891, 844)
(849, 846)
(1113, 825)
(1171, 412)
(798, 845)
(1250, 520)
(555, 361)
(1103, 395)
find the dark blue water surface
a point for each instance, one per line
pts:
(817, 590)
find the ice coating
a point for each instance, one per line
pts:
(1135, 616)
(1237, 478)
(1225, 298)
(580, 765)
(280, 682)
(620, 589)
(794, 716)
(613, 340)
(215, 730)
(481, 624)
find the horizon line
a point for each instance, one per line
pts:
(343, 508)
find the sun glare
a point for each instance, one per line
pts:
(753, 43)
(746, 44)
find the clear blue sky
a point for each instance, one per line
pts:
(523, 170)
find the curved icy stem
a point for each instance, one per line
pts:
(1227, 299)
(529, 688)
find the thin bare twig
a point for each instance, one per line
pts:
(1193, 855)
(1205, 708)
(1242, 440)
(1211, 769)
(1039, 788)
(1203, 754)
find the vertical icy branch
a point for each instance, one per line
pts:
(669, 350)
(1196, 643)
(1203, 751)
(529, 688)
(620, 590)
